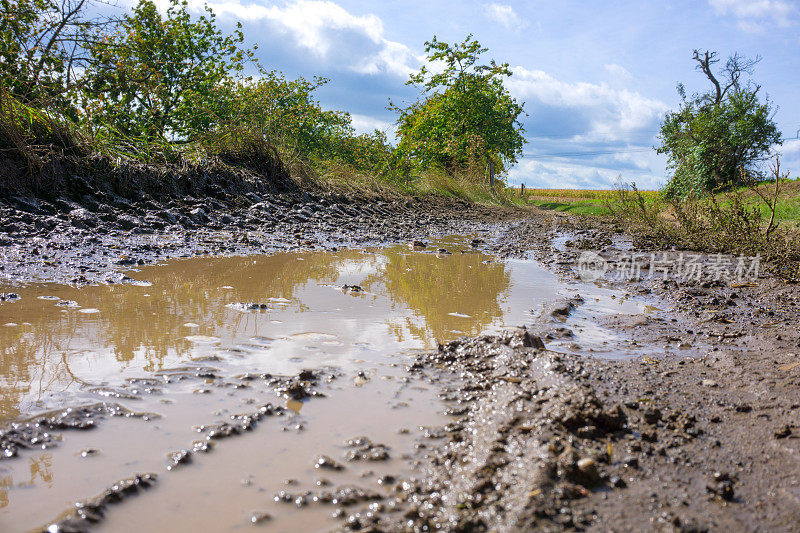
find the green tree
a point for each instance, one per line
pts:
(155, 78)
(287, 114)
(465, 115)
(716, 138)
(42, 50)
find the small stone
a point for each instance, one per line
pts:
(617, 482)
(323, 461)
(259, 517)
(89, 452)
(652, 415)
(630, 462)
(588, 467)
(783, 431)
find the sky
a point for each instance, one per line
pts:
(596, 77)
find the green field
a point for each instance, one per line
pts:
(596, 202)
(575, 201)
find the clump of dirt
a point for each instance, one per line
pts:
(36, 432)
(88, 513)
(532, 437)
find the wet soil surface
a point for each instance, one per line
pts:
(93, 238)
(699, 434)
(650, 403)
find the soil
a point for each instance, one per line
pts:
(700, 434)
(683, 439)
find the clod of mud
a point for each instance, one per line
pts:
(363, 449)
(35, 433)
(92, 511)
(534, 438)
(327, 463)
(721, 485)
(560, 311)
(249, 306)
(259, 517)
(299, 387)
(239, 423)
(345, 496)
(352, 289)
(177, 458)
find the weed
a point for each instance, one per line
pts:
(716, 223)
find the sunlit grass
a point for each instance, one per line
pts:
(577, 207)
(596, 202)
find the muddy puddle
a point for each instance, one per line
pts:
(301, 353)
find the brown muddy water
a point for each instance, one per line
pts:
(64, 346)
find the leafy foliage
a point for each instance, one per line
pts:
(716, 138)
(282, 110)
(42, 49)
(164, 84)
(465, 116)
(156, 77)
(287, 113)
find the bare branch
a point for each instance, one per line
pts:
(705, 61)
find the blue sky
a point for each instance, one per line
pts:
(596, 76)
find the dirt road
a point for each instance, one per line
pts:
(697, 432)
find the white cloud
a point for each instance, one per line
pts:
(618, 71)
(790, 147)
(586, 135)
(755, 15)
(367, 124)
(329, 32)
(611, 114)
(505, 15)
(584, 175)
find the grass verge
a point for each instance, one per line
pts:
(760, 219)
(47, 156)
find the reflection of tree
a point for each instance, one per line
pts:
(16, 362)
(40, 466)
(25, 366)
(435, 286)
(35, 359)
(190, 291)
(5, 484)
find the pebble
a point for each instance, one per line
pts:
(259, 517)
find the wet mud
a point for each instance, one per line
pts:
(461, 383)
(204, 351)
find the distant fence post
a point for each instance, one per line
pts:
(522, 191)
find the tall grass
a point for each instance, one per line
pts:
(33, 143)
(469, 184)
(584, 194)
(723, 223)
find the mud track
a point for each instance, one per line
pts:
(699, 435)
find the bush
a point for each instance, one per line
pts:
(466, 117)
(726, 223)
(717, 136)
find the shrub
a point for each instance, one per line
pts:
(466, 115)
(715, 137)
